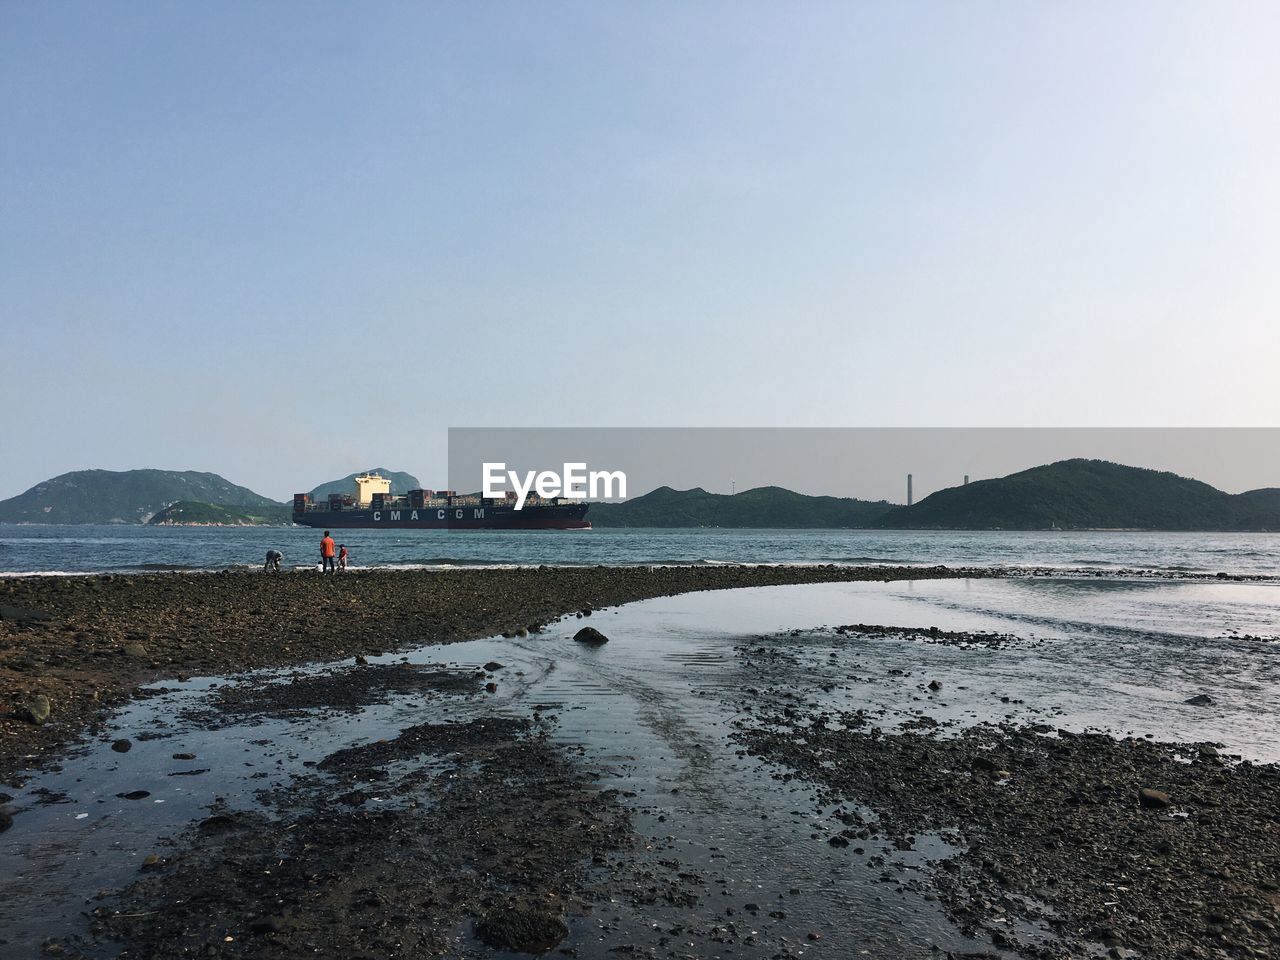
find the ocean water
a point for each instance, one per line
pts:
(90, 549)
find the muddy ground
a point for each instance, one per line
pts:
(1068, 843)
(393, 849)
(488, 834)
(70, 646)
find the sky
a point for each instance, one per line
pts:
(282, 242)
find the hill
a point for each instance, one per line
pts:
(121, 496)
(761, 507)
(194, 513)
(401, 483)
(1090, 494)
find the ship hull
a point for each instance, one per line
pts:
(567, 516)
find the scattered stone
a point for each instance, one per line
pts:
(134, 795)
(590, 636)
(523, 929)
(36, 711)
(1152, 799)
(493, 665)
(123, 745)
(935, 686)
(1200, 700)
(491, 687)
(184, 756)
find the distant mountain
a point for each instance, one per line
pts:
(193, 513)
(401, 483)
(124, 496)
(761, 507)
(1090, 494)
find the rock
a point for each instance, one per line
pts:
(1108, 936)
(6, 820)
(184, 756)
(36, 711)
(1152, 799)
(493, 665)
(491, 687)
(361, 660)
(935, 686)
(590, 635)
(523, 929)
(134, 795)
(1201, 700)
(123, 745)
(23, 615)
(217, 824)
(134, 649)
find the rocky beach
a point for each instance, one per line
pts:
(667, 762)
(1064, 842)
(71, 646)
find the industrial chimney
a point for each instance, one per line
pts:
(908, 489)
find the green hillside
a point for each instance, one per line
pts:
(1090, 494)
(124, 496)
(401, 483)
(761, 507)
(190, 512)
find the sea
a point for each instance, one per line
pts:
(52, 550)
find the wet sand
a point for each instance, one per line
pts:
(72, 646)
(1061, 843)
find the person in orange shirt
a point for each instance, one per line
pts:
(326, 554)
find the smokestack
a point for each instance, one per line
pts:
(908, 489)
(966, 479)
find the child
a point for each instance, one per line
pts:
(342, 556)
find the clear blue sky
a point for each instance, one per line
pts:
(283, 241)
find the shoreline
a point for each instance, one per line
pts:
(73, 647)
(1003, 571)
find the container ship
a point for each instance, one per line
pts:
(371, 506)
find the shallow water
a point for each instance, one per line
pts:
(652, 713)
(80, 549)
